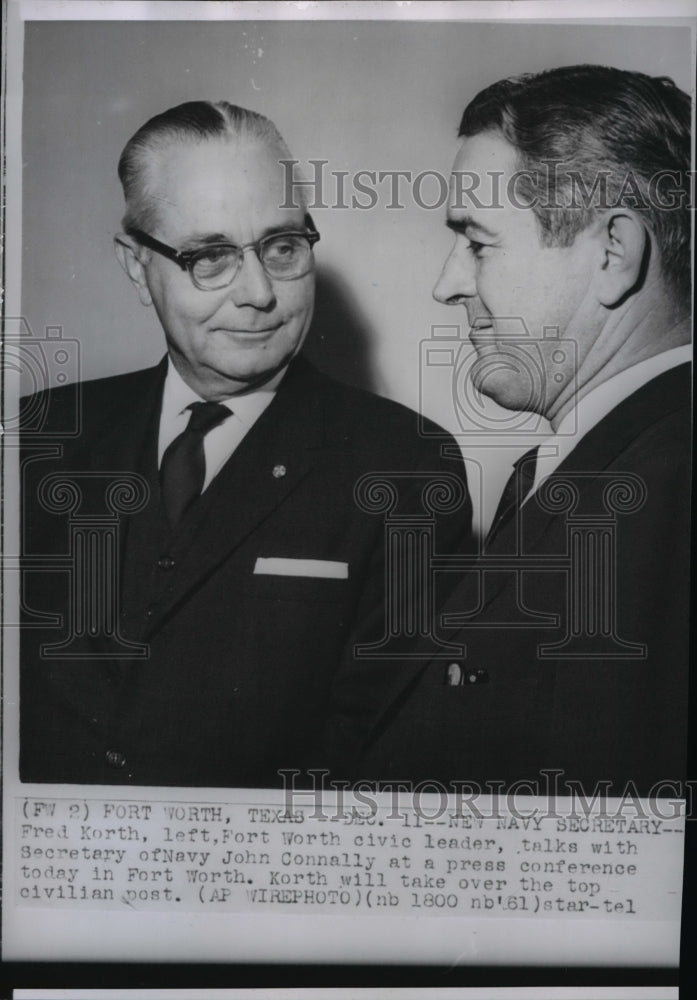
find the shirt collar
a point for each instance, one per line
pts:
(177, 396)
(593, 407)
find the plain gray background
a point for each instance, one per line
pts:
(362, 95)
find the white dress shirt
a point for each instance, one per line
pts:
(591, 408)
(220, 442)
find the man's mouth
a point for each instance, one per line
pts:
(236, 332)
(481, 323)
(481, 332)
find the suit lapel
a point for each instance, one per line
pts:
(113, 441)
(598, 449)
(272, 459)
(129, 445)
(128, 430)
(595, 452)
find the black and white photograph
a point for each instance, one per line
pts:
(347, 465)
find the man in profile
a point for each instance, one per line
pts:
(570, 209)
(197, 644)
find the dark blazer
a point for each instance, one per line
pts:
(238, 665)
(600, 708)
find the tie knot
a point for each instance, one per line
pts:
(205, 416)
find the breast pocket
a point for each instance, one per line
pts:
(282, 578)
(310, 589)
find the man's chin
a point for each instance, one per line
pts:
(242, 381)
(217, 382)
(507, 393)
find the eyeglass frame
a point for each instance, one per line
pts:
(186, 258)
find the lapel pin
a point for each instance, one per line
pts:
(278, 471)
(453, 676)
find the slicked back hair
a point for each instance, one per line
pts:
(590, 137)
(193, 122)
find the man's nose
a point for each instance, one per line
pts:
(252, 285)
(457, 281)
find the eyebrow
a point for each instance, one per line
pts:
(210, 239)
(465, 222)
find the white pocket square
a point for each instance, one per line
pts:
(327, 568)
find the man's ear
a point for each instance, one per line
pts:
(128, 252)
(624, 245)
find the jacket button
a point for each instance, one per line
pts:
(477, 677)
(115, 758)
(165, 562)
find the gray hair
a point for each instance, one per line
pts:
(194, 121)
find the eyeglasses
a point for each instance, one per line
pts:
(284, 257)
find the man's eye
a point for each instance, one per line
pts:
(279, 250)
(214, 255)
(476, 249)
(214, 260)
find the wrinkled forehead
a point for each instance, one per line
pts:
(229, 186)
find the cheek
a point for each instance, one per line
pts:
(499, 285)
(185, 307)
(202, 309)
(295, 302)
(531, 290)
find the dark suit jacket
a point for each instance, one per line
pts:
(598, 709)
(238, 665)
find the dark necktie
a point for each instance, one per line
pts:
(516, 489)
(183, 468)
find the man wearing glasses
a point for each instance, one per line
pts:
(246, 571)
